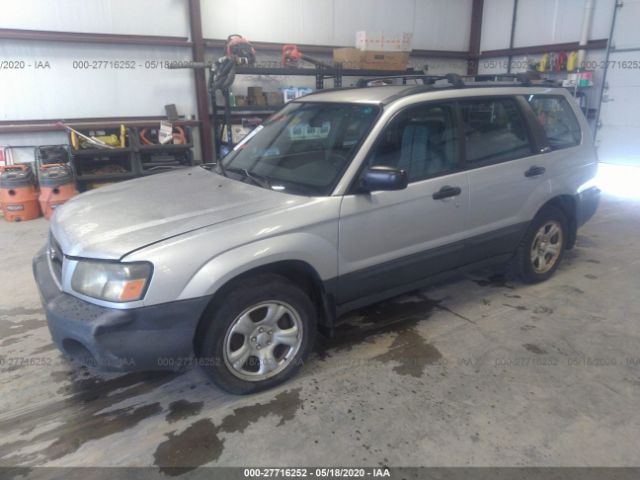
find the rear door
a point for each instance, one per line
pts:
(391, 239)
(508, 174)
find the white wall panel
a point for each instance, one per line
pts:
(442, 24)
(284, 21)
(436, 24)
(375, 15)
(496, 24)
(67, 92)
(602, 15)
(570, 15)
(557, 21)
(618, 139)
(536, 22)
(627, 33)
(31, 139)
(159, 17)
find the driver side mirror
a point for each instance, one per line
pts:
(383, 178)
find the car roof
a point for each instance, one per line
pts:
(382, 95)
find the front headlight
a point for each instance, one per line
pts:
(111, 281)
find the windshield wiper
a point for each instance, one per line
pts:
(259, 181)
(220, 168)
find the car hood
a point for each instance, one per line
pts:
(112, 221)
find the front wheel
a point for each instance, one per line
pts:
(542, 247)
(259, 336)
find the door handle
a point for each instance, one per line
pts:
(447, 192)
(535, 171)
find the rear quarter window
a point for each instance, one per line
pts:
(558, 120)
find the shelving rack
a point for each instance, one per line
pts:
(581, 93)
(133, 155)
(321, 74)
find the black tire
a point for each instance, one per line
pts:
(235, 301)
(521, 264)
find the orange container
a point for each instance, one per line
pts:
(56, 187)
(18, 194)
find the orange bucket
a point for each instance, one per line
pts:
(18, 194)
(56, 187)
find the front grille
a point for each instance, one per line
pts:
(56, 257)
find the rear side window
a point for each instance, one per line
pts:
(494, 130)
(558, 120)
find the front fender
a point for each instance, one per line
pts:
(317, 252)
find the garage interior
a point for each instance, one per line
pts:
(478, 371)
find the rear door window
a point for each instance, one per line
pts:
(494, 130)
(558, 120)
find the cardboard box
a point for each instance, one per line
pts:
(260, 101)
(352, 58)
(274, 98)
(385, 60)
(383, 42)
(254, 92)
(256, 97)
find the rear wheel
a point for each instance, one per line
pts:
(542, 247)
(259, 336)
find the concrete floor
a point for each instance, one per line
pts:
(475, 372)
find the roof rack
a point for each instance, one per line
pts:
(453, 78)
(526, 79)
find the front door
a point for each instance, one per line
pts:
(391, 240)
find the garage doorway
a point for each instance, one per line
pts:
(618, 134)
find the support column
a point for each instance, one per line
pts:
(202, 95)
(474, 36)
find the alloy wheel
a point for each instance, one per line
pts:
(263, 340)
(546, 247)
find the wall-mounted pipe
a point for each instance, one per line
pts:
(606, 70)
(589, 7)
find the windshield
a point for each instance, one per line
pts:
(304, 148)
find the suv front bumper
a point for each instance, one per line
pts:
(158, 337)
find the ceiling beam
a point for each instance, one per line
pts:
(274, 47)
(600, 44)
(96, 38)
(49, 125)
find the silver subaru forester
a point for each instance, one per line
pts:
(341, 199)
